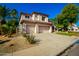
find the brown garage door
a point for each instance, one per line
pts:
(43, 29)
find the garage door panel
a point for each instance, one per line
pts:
(43, 29)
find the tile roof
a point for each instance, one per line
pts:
(40, 13)
(34, 13)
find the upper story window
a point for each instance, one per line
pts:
(43, 18)
(27, 17)
(35, 15)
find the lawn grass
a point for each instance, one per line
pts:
(69, 33)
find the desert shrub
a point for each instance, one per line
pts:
(30, 38)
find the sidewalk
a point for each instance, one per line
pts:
(50, 45)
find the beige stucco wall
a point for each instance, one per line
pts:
(39, 18)
(22, 17)
(46, 19)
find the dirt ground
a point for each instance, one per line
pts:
(15, 44)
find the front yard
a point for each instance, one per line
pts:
(49, 44)
(13, 44)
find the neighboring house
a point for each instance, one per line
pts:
(35, 23)
(74, 28)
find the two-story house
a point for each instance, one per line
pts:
(35, 23)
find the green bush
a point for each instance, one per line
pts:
(30, 38)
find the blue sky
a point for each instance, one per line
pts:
(52, 9)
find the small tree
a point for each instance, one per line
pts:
(70, 13)
(8, 20)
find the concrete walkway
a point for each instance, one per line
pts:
(50, 45)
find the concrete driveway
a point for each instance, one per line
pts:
(50, 45)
